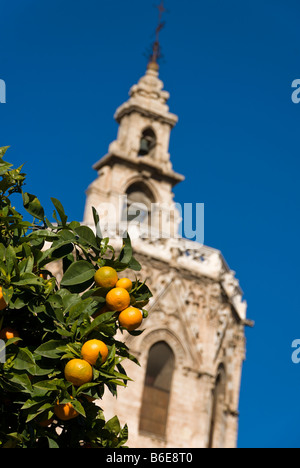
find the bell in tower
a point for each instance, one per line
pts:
(148, 143)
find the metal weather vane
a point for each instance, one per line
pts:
(156, 48)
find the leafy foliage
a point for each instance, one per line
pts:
(53, 322)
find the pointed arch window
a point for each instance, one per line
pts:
(148, 143)
(157, 390)
(139, 203)
(218, 422)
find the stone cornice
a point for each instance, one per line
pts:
(129, 108)
(140, 165)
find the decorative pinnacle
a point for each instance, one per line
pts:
(156, 48)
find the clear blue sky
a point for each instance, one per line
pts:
(229, 67)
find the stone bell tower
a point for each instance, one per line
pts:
(138, 162)
(186, 392)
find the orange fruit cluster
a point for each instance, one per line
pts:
(80, 372)
(118, 298)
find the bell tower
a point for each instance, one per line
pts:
(145, 122)
(138, 164)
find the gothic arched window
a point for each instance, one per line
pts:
(147, 143)
(217, 428)
(157, 390)
(139, 201)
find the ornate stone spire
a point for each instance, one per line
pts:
(148, 98)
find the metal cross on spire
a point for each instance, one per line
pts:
(156, 48)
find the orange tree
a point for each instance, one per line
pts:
(48, 391)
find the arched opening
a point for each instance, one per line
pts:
(217, 426)
(147, 143)
(139, 203)
(157, 390)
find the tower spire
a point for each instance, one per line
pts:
(156, 47)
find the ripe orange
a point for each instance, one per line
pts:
(125, 283)
(118, 299)
(3, 304)
(65, 411)
(131, 318)
(7, 333)
(78, 372)
(106, 277)
(91, 349)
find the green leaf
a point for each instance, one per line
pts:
(78, 407)
(50, 349)
(79, 309)
(24, 359)
(3, 150)
(77, 273)
(134, 265)
(26, 265)
(10, 258)
(7, 293)
(49, 384)
(21, 379)
(87, 236)
(38, 370)
(35, 413)
(86, 387)
(52, 443)
(56, 301)
(60, 211)
(32, 204)
(30, 403)
(4, 167)
(103, 318)
(97, 223)
(28, 279)
(123, 435)
(126, 252)
(58, 250)
(126, 258)
(43, 233)
(12, 341)
(113, 375)
(113, 425)
(135, 332)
